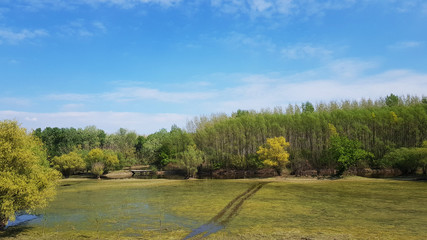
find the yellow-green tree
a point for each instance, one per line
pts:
(274, 153)
(26, 181)
(68, 163)
(111, 161)
(94, 156)
(98, 169)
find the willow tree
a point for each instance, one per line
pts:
(274, 153)
(26, 181)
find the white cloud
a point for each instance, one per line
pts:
(341, 80)
(141, 93)
(31, 119)
(406, 45)
(100, 26)
(70, 97)
(72, 107)
(34, 5)
(304, 51)
(260, 5)
(238, 40)
(82, 28)
(15, 37)
(347, 79)
(424, 8)
(15, 101)
(348, 69)
(108, 121)
(268, 8)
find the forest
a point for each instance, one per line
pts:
(389, 132)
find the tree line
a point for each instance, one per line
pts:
(386, 133)
(316, 133)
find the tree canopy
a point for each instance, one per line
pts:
(274, 153)
(26, 181)
(232, 141)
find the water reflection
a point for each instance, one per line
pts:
(20, 219)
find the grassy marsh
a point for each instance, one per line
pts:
(293, 208)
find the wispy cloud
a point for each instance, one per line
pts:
(15, 37)
(133, 3)
(304, 51)
(314, 86)
(72, 107)
(269, 8)
(34, 5)
(136, 93)
(406, 45)
(108, 121)
(140, 93)
(15, 102)
(70, 97)
(424, 8)
(338, 80)
(82, 28)
(239, 40)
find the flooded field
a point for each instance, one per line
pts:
(353, 208)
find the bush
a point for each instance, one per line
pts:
(98, 169)
(407, 160)
(109, 159)
(69, 163)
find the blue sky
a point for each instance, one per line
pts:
(148, 64)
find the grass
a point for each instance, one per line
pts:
(295, 208)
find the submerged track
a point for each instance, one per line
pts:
(220, 220)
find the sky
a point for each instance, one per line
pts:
(144, 65)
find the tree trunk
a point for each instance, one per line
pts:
(3, 223)
(279, 171)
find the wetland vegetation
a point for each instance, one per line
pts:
(275, 208)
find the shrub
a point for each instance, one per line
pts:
(407, 160)
(69, 163)
(98, 169)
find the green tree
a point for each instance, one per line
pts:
(191, 159)
(407, 159)
(69, 163)
(347, 153)
(123, 142)
(274, 153)
(111, 161)
(94, 156)
(26, 181)
(307, 107)
(108, 158)
(392, 100)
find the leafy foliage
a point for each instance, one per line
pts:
(274, 153)
(108, 159)
(98, 169)
(347, 153)
(69, 163)
(191, 159)
(26, 181)
(232, 141)
(407, 159)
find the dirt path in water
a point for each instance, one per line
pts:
(225, 215)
